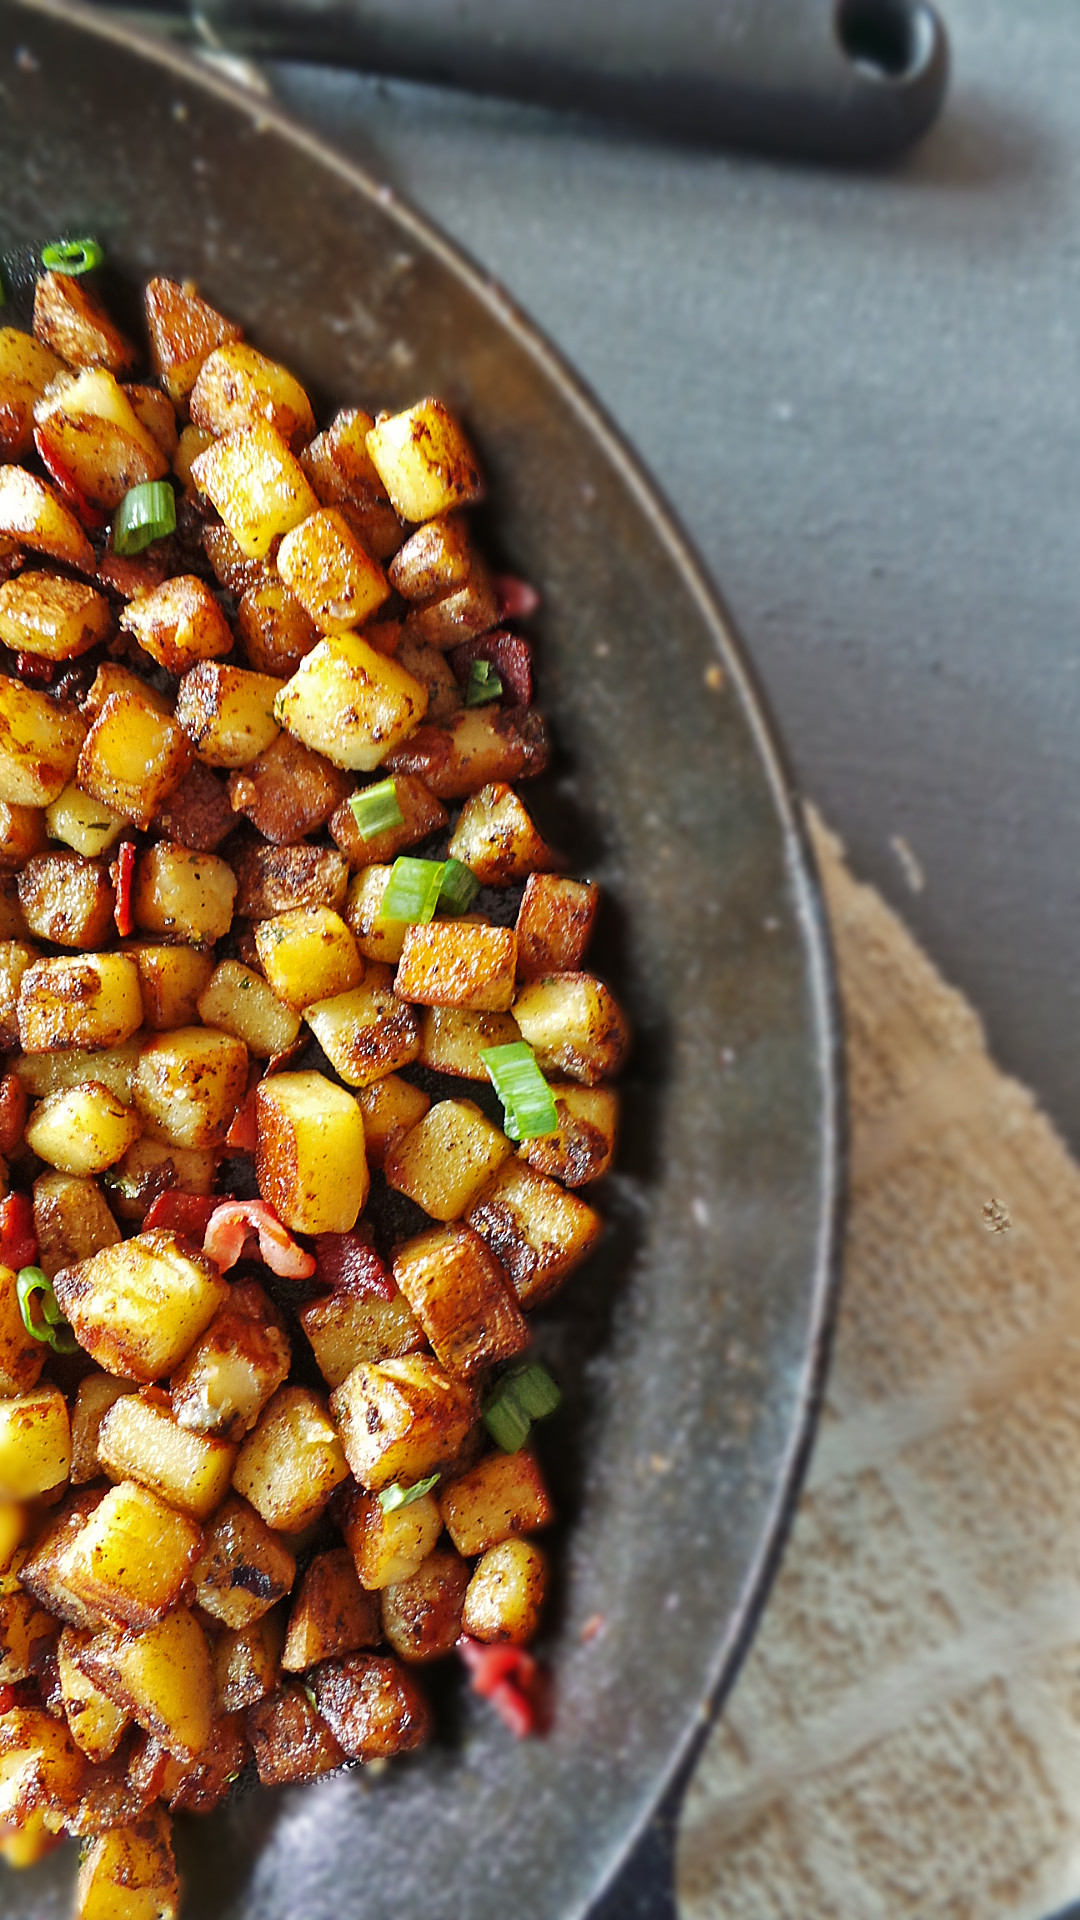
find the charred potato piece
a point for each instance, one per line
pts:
(231, 566)
(256, 485)
(373, 1707)
(170, 981)
(290, 1465)
(272, 880)
(71, 321)
(132, 1557)
(81, 1002)
(26, 369)
(481, 744)
(583, 1147)
(247, 1663)
(40, 742)
(288, 791)
(82, 1130)
(574, 1025)
(31, 513)
(458, 617)
(401, 1419)
(337, 583)
(434, 560)
(424, 461)
(184, 330)
(236, 387)
(54, 617)
(97, 1724)
(390, 1106)
(162, 1675)
(503, 1496)
(234, 1367)
(16, 958)
(129, 1873)
(290, 1740)
(451, 964)
(447, 1158)
(497, 839)
(346, 1328)
(67, 899)
(310, 1159)
(35, 1443)
(276, 631)
(244, 1569)
(96, 1394)
(179, 623)
(189, 1084)
(422, 814)
(388, 1547)
(200, 1785)
(92, 441)
(350, 703)
(199, 814)
(186, 894)
(71, 1221)
(538, 1231)
(554, 923)
(462, 1298)
(22, 834)
(506, 1593)
(39, 1574)
(332, 1614)
(228, 713)
(141, 1441)
(421, 1616)
(138, 1307)
(21, 1356)
(368, 1032)
(133, 758)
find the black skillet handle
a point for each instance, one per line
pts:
(844, 80)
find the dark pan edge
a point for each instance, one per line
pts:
(800, 858)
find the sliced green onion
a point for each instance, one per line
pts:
(528, 1102)
(412, 891)
(310, 1691)
(52, 1329)
(376, 808)
(391, 1498)
(460, 886)
(525, 1394)
(146, 512)
(484, 684)
(72, 256)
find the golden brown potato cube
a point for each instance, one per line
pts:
(504, 1495)
(129, 1873)
(276, 631)
(256, 486)
(390, 1107)
(288, 791)
(178, 623)
(28, 1637)
(290, 1465)
(89, 436)
(308, 955)
(376, 938)
(199, 814)
(141, 1441)
(244, 1568)
(156, 413)
(340, 465)
(192, 442)
(453, 1039)
(25, 1845)
(434, 560)
(188, 895)
(388, 1547)
(96, 1722)
(39, 745)
(162, 1675)
(41, 1768)
(96, 1394)
(350, 703)
(26, 369)
(435, 674)
(133, 757)
(336, 582)
(21, 1356)
(421, 1616)
(447, 1158)
(83, 824)
(574, 1025)
(374, 1708)
(273, 880)
(237, 1001)
(22, 834)
(538, 1230)
(231, 566)
(346, 1328)
(170, 980)
(31, 514)
(149, 1167)
(234, 1368)
(112, 678)
(554, 922)
(200, 1785)
(70, 319)
(39, 1573)
(35, 1443)
(189, 1085)
(184, 330)
(78, 1002)
(139, 1306)
(67, 899)
(332, 1614)
(310, 1159)
(583, 1147)
(462, 1299)
(134, 1554)
(237, 387)
(368, 1032)
(71, 1220)
(227, 713)
(458, 616)
(57, 618)
(506, 1593)
(496, 838)
(247, 1662)
(424, 461)
(401, 1419)
(477, 746)
(82, 1129)
(421, 814)
(290, 1740)
(16, 958)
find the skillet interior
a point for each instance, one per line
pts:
(691, 1346)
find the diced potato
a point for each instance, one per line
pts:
(16, 957)
(21, 1356)
(138, 1307)
(447, 1158)
(237, 1001)
(237, 387)
(12, 924)
(82, 1129)
(133, 757)
(97, 1393)
(390, 1107)
(424, 461)
(479, 745)
(14, 1526)
(142, 1442)
(256, 486)
(39, 1575)
(453, 1039)
(497, 839)
(308, 955)
(26, 369)
(435, 674)
(346, 1328)
(232, 567)
(290, 1465)
(57, 618)
(27, 1637)
(376, 938)
(22, 834)
(189, 895)
(96, 1722)
(584, 1146)
(39, 744)
(32, 514)
(310, 1158)
(85, 1001)
(228, 713)
(336, 582)
(200, 1785)
(388, 1547)
(149, 1167)
(506, 1593)
(554, 922)
(189, 1085)
(199, 814)
(157, 414)
(538, 1230)
(401, 1419)
(368, 1032)
(162, 1675)
(421, 814)
(129, 1873)
(112, 678)
(462, 1299)
(114, 1067)
(35, 1443)
(451, 964)
(92, 441)
(459, 616)
(85, 825)
(170, 981)
(245, 1568)
(69, 318)
(350, 703)
(192, 442)
(288, 791)
(504, 1495)
(434, 560)
(41, 1768)
(71, 1220)
(232, 1371)
(184, 331)
(67, 899)
(178, 623)
(247, 1662)
(273, 880)
(574, 1025)
(291, 1741)
(421, 1616)
(372, 1705)
(25, 1845)
(134, 1554)
(332, 1614)
(276, 631)
(340, 469)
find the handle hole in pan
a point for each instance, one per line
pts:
(888, 39)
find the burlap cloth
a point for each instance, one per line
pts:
(904, 1738)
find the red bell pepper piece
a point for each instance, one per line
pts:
(510, 1678)
(186, 1213)
(18, 1240)
(123, 870)
(350, 1264)
(241, 1137)
(233, 1220)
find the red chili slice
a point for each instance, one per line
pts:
(18, 1240)
(350, 1264)
(242, 1135)
(31, 666)
(233, 1220)
(123, 871)
(186, 1213)
(507, 1676)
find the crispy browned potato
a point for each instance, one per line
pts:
(40, 742)
(238, 386)
(22, 833)
(290, 1740)
(179, 623)
(134, 757)
(390, 1106)
(71, 320)
(272, 880)
(292, 1462)
(50, 615)
(232, 567)
(185, 894)
(434, 560)
(234, 1367)
(71, 1220)
(276, 631)
(502, 1496)
(41, 1768)
(80, 1001)
(170, 981)
(200, 1785)
(470, 610)
(96, 1394)
(388, 1547)
(574, 1025)
(92, 441)
(138, 1307)
(238, 1001)
(451, 964)
(149, 1167)
(228, 713)
(424, 461)
(21, 1356)
(462, 1298)
(31, 512)
(433, 670)
(346, 1328)
(583, 1147)
(367, 1032)
(244, 1569)
(28, 1637)
(16, 958)
(162, 1675)
(373, 1706)
(447, 1158)
(307, 955)
(247, 1662)
(157, 414)
(332, 1614)
(256, 486)
(421, 1616)
(421, 815)
(497, 839)
(189, 1084)
(506, 1593)
(555, 920)
(140, 1440)
(26, 369)
(184, 330)
(453, 1039)
(83, 824)
(81, 1130)
(288, 791)
(198, 814)
(538, 1230)
(68, 900)
(350, 702)
(35, 1443)
(310, 1158)
(97, 1724)
(39, 1574)
(480, 745)
(401, 1419)
(127, 1865)
(133, 1556)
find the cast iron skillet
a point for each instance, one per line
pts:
(691, 1348)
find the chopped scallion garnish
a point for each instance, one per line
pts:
(52, 1329)
(484, 684)
(412, 891)
(528, 1102)
(146, 512)
(525, 1394)
(460, 886)
(391, 1498)
(72, 256)
(376, 809)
